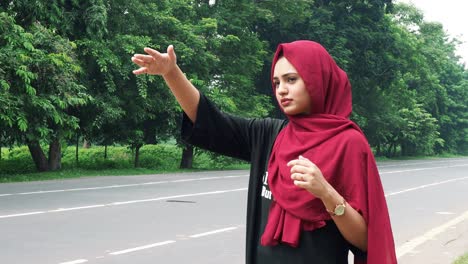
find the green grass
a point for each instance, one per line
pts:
(79, 173)
(462, 260)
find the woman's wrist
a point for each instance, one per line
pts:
(331, 198)
(171, 73)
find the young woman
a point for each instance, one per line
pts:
(314, 188)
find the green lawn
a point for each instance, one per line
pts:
(462, 260)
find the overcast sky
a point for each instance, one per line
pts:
(453, 14)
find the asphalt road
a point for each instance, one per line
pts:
(200, 217)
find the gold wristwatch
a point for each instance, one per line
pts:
(339, 209)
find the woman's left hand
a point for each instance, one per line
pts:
(307, 175)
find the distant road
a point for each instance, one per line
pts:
(200, 217)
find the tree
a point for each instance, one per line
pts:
(433, 71)
(40, 71)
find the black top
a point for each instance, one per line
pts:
(252, 140)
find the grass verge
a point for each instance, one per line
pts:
(462, 260)
(79, 173)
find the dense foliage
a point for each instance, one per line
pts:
(65, 70)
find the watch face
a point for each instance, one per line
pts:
(340, 209)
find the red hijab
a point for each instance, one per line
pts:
(337, 146)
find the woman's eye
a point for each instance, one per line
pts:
(276, 84)
(292, 79)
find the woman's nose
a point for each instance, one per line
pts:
(282, 89)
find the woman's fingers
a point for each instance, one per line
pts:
(139, 62)
(154, 53)
(143, 57)
(143, 61)
(297, 177)
(171, 53)
(140, 71)
(303, 162)
(300, 169)
(301, 184)
(302, 177)
(154, 62)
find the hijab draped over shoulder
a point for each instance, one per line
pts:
(337, 146)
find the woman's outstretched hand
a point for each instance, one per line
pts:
(155, 63)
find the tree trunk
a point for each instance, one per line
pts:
(187, 157)
(149, 131)
(55, 155)
(137, 156)
(86, 144)
(388, 150)
(38, 156)
(105, 151)
(76, 149)
(379, 150)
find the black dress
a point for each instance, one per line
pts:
(252, 140)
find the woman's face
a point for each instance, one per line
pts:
(291, 91)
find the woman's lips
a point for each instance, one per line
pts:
(285, 101)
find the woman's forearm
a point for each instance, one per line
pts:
(185, 93)
(351, 224)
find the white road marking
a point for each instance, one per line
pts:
(92, 188)
(125, 202)
(445, 213)
(122, 185)
(177, 196)
(210, 178)
(75, 208)
(23, 214)
(199, 179)
(142, 247)
(171, 241)
(421, 169)
(78, 261)
(194, 179)
(420, 163)
(425, 186)
(186, 180)
(409, 246)
(200, 194)
(213, 232)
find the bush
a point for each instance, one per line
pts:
(16, 161)
(163, 156)
(209, 160)
(160, 157)
(93, 158)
